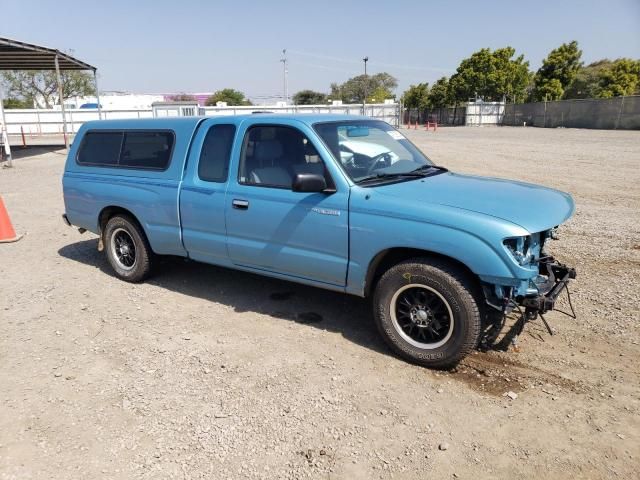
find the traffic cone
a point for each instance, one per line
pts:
(7, 233)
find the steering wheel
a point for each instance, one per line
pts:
(383, 157)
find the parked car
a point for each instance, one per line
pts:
(344, 203)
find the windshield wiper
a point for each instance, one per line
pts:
(382, 175)
(420, 172)
(429, 167)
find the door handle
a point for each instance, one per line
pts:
(240, 204)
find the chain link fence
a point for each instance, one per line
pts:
(442, 116)
(621, 113)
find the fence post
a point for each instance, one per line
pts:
(619, 114)
(4, 136)
(61, 100)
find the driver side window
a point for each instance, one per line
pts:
(273, 155)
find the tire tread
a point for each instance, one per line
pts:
(465, 287)
(145, 260)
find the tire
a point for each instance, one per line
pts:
(426, 311)
(127, 249)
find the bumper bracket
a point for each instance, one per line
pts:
(558, 276)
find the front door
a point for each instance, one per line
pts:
(270, 227)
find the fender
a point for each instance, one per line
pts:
(152, 203)
(381, 223)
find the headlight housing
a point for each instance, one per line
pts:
(520, 249)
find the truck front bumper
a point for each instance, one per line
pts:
(557, 277)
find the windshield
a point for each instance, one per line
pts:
(371, 149)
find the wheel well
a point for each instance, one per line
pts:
(392, 256)
(109, 212)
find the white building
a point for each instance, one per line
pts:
(116, 101)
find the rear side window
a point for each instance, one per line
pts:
(100, 148)
(144, 150)
(216, 150)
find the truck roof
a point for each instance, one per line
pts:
(187, 122)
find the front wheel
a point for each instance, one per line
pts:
(127, 249)
(426, 311)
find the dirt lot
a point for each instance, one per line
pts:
(208, 373)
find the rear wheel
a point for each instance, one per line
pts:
(426, 311)
(127, 249)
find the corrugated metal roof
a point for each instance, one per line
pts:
(16, 55)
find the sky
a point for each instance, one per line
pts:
(163, 46)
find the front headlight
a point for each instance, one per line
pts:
(520, 249)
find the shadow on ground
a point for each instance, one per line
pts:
(23, 153)
(246, 292)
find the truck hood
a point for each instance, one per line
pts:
(532, 207)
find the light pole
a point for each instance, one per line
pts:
(364, 100)
(284, 74)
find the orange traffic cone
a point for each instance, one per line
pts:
(7, 233)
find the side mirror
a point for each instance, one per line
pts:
(309, 182)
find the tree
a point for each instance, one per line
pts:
(41, 86)
(229, 95)
(550, 90)
(309, 97)
(491, 75)
(605, 79)
(586, 84)
(623, 78)
(353, 90)
(562, 64)
(440, 96)
(16, 103)
(183, 97)
(379, 95)
(416, 96)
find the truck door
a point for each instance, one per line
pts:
(271, 227)
(202, 196)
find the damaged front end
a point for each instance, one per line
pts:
(555, 277)
(538, 294)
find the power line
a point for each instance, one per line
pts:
(381, 64)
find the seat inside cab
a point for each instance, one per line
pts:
(273, 156)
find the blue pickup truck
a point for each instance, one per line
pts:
(345, 203)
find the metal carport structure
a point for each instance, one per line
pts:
(15, 55)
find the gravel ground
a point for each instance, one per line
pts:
(204, 372)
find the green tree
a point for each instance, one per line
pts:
(490, 75)
(379, 95)
(41, 86)
(550, 90)
(587, 82)
(229, 95)
(416, 96)
(16, 103)
(605, 79)
(623, 78)
(440, 96)
(562, 65)
(353, 90)
(309, 97)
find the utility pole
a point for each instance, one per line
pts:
(285, 72)
(364, 100)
